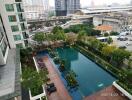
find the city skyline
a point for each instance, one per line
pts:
(97, 2)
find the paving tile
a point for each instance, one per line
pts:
(109, 93)
(62, 93)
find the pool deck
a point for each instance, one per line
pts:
(61, 93)
(109, 93)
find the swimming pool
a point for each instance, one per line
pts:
(90, 76)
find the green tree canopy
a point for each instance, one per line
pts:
(59, 33)
(107, 50)
(114, 33)
(106, 34)
(39, 37)
(56, 29)
(33, 80)
(81, 35)
(109, 41)
(119, 55)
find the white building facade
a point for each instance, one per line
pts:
(13, 18)
(36, 9)
(3, 45)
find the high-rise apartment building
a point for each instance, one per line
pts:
(3, 44)
(10, 88)
(64, 7)
(72, 6)
(36, 9)
(13, 18)
(61, 7)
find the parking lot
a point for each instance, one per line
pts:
(126, 43)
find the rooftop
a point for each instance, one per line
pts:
(103, 28)
(10, 76)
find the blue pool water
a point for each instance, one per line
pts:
(90, 76)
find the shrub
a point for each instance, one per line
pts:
(106, 34)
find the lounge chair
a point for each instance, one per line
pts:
(51, 90)
(50, 85)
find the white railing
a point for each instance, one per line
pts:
(122, 90)
(36, 65)
(39, 96)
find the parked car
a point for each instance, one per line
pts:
(122, 38)
(122, 47)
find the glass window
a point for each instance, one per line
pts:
(17, 37)
(9, 7)
(19, 45)
(14, 28)
(12, 18)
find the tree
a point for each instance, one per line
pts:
(71, 38)
(56, 29)
(109, 41)
(33, 80)
(106, 34)
(58, 33)
(81, 35)
(114, 33)
(128, 77)
(107, 50)
(118, 55)
(94, 43)
(39, 37)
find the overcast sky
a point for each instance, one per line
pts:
(97, 2)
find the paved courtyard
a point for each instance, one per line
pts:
(61, 93)
(109, 93)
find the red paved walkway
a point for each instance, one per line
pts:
(110, 93)
(62, 93)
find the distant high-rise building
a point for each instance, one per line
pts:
(64, 7)
(13, 18)
(72, 6)
(60, 7)
(36, 9)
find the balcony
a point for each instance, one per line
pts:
(21, 19)
(19, 8)
(25, 35)
(23, 27)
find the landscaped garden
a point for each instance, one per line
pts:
(108, 57)
(31, 79)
